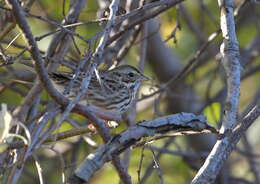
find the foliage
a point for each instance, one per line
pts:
(178, 48)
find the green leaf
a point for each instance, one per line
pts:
(212, 112)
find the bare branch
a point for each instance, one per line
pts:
(183, 122)
(230, 60)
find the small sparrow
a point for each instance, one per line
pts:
(112, 91)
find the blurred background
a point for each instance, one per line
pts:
(178, 48)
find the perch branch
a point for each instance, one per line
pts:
(178, 123)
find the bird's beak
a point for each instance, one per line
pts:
(144, 78)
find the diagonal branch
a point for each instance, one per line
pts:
(230, 60)
(182, 123)
(19, 15)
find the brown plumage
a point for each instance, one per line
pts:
(114, 92)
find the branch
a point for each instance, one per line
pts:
(167, 4)
(229, 146)
(19, 16)
(52, 138)
(230, 60)
(182, 123)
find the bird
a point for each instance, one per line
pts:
(111, 91)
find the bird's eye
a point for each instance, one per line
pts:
(131, 74)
